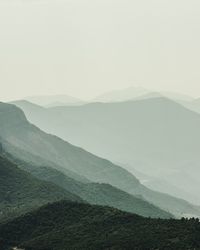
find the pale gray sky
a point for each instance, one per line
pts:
(85, 47)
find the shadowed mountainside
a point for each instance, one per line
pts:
(98, 194)
(21, 192)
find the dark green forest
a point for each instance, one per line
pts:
(66, 225)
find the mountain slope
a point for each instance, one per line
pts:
(193, 105)
(67, 225)
(98, 194)
(20, 192)
(16, 130)
(157, 136)
(105, 194)
(21, 137)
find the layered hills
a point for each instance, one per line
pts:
(21, 192)
(26, 142)
(156, 136)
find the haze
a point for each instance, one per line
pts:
(84, 48)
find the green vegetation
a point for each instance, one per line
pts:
(65, 225)
(21, 192)
(105, 194)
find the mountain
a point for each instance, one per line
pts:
(163, 185)
(54, 100)
(177, 97)
(197, 101)
(21, 192)
(121, 95)
(94, 193)
(193, 105)
(22, 137)
(101, 194)
(133, 93)
(64, 225)
(26, 142)
(156, 136)
(196, 105)
(98, 194)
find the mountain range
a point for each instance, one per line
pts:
(121, 95)
(157, 137)
(62, 180)
(27, 143)
(93, 193)
(132, 93)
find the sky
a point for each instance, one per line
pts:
(86, 47)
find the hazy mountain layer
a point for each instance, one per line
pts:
(54, 100)
(25, 139)
(122, 95)
(67, 226)
(193, 105)
(157, 136)
(98, 194)
(131, 93)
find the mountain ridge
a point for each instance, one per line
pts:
(157, 136)
(21, 192)
(28, 138)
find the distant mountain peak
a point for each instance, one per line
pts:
(132, 93)
(54, 100)
(122, 94)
